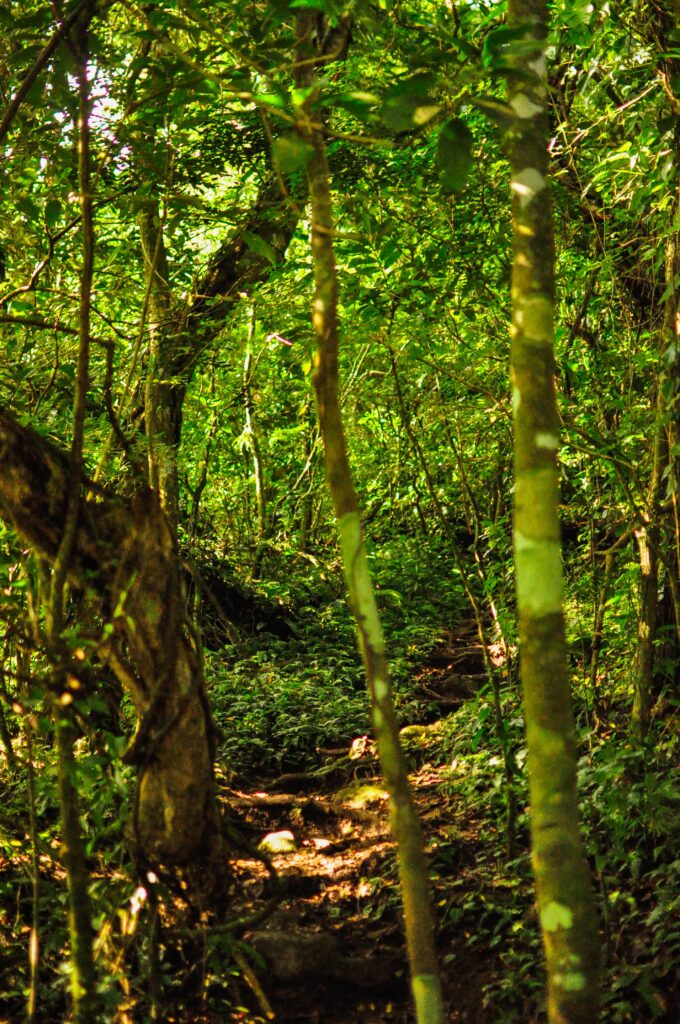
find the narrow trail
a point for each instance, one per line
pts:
(333, 949)
(332, 952)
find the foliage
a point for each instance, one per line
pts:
(194, 114)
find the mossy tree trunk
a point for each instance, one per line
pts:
(419, 923)
(564, 896)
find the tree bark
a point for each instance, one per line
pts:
(564, 896)
(252, 438)
(82, 974)
(124, 559)
(163, 395)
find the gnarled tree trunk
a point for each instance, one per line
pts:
(125, 560)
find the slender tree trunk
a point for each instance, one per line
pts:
(83, 978)
(563, 890)
(163, 394)
(253, 440)
(419, 923)
(305, 505)
(23, 668)
(5, 736)
(644, 663)
(598, 631)
(82, 973)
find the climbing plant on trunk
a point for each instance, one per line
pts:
(560, 868)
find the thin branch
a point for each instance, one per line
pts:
(42, 59)
(48, 325)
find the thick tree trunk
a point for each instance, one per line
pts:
(124, 558)
(565, 902)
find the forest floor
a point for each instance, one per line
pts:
(332, 952)
(333, 948)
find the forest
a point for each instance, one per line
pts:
(339, 511)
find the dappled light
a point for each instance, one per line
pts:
(339, 523)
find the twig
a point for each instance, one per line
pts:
(253, 984)
(42, 59)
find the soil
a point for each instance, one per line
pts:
(333, 952)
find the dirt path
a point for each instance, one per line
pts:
(332, 952)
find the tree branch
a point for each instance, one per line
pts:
(42, 59)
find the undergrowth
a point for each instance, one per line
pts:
(291, 705)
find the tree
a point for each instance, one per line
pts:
(656, 537)
(564, 896)
(157, 437)
(142, 604)
(418, 919)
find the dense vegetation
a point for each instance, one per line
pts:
(176, 635)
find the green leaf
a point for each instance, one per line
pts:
(454, 155)
(53, 209)
(21, 306)
(361, 104)
(670, 289)
(497, 111)
(272, 99)
(510, 41)
(409, 104)
(291, 153)
(260, 246)
(300, 96)
(404, 114)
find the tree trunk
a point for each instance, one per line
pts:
(252, 438)
(413, 875)
(124, 559)
(163, 393)
(561, 872)
(644, 663)
(659, 537)
(82, 973)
